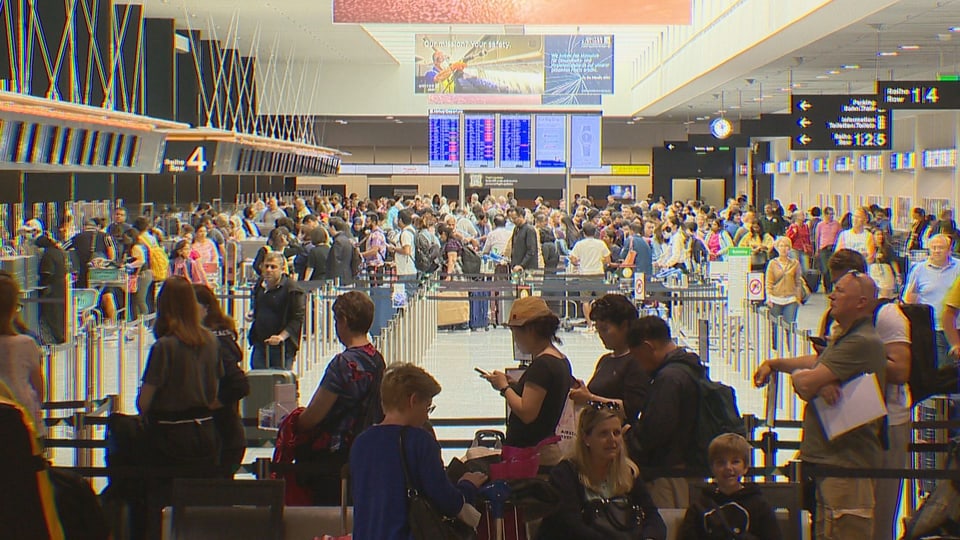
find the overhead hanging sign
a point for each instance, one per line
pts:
(554, 12)
(924, 95)
(514, 64)
(840, 122)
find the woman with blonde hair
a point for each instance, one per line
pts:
(601, 493)
(784, 283)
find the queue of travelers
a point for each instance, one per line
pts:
(639, 409)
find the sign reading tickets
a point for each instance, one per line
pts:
(518, 65)
(559, 12)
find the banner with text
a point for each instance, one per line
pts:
(519, 65)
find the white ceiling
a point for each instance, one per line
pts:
(813, 69)
(292, 35)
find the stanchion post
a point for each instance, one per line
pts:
(261, 468)
(703, 338)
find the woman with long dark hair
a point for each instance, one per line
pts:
(233, 384)
(180, 382)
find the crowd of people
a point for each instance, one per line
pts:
(635, 435)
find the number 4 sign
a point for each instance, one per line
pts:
(198, 159)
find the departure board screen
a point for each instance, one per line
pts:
(444, 140)
(515, 141)
(479, 141)
(551, 140)
(585, 141)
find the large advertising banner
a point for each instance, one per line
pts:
(572, 12)
(474, 64)
(517, 65)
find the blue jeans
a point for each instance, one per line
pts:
(787, 313)
(280, 356)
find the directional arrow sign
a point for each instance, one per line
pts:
(671, 146)
(804, 122)
(804, 140)
(804, 106)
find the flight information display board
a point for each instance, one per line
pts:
(515, 141)
(585, 141)
(551, 140)
(841, 122)
(922, 95)
(444, 140)
(479, 141)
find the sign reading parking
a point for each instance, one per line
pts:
(845, 122)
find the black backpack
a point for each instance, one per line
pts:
(717, 414)
(923, 351)
(426, 254)
(925, 378)
(469, 261)
(78, 507)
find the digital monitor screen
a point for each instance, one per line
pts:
(444, 140)
(515, 141)
(479, 141)
(585, 141)
(551, 147)
(622, 192)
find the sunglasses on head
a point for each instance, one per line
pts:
(600, 405)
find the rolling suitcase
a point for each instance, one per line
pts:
(262, 394)
(812, 277)
(479, 310)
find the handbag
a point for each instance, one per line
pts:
(424, 520)
(617, 518)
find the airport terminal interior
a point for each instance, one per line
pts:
(498, 269)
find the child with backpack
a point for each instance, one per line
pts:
(727, 508)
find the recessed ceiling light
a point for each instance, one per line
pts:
(389, 118)
(734, 107)
(888, 53)
(823, 76)
(850, 66)
(398, 121)
(909, 47)
(630, 122)
(833, 72)
(342, 122)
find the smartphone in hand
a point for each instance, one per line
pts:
(818, 341)
(482, 372)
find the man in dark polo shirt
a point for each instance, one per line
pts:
(845, 506)
(278, 313)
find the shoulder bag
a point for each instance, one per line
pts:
(424, 520)
(617, 518)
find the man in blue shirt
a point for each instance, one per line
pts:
(643, 263)
(929, 282)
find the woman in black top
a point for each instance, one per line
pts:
(180, 381)
(317, 258)
(601, 493)
(617, 377)
(536, 401)
(233, 385)
(53, 280)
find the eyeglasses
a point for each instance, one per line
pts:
(600, 405)
(431, 408)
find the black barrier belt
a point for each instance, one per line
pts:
(826, 471)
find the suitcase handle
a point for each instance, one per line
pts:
(488, 438)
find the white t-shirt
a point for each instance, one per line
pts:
(855, 241)
(590, 252)
(894, 327)
(405, 263)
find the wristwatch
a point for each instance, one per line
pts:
(503, 391)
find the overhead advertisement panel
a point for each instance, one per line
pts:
(518, 65)
(573, 12)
